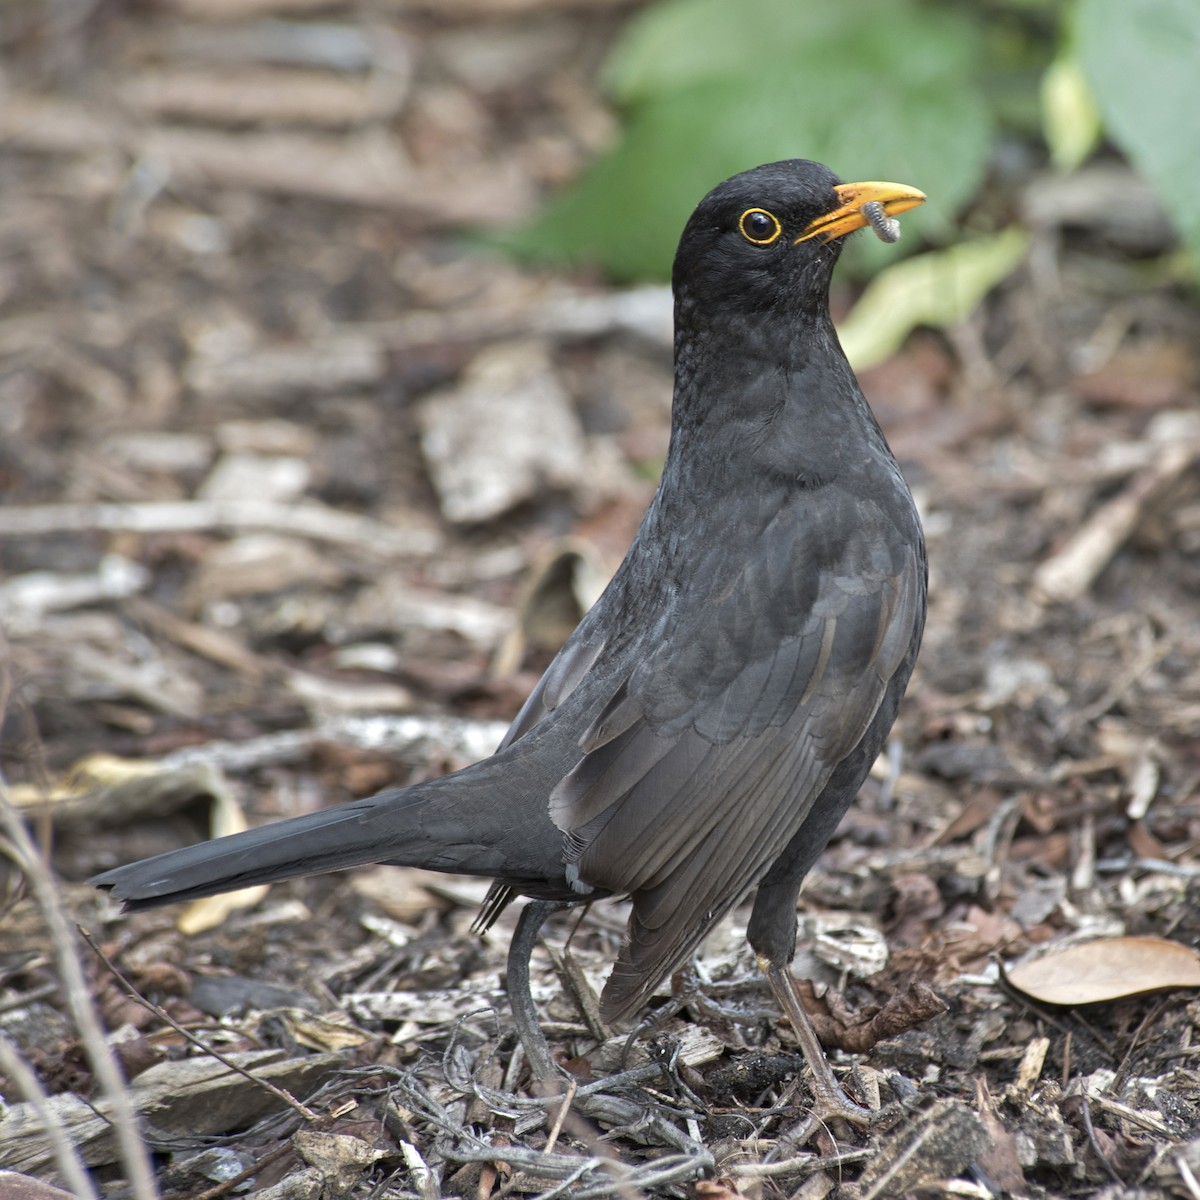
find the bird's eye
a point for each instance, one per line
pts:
(759, 226)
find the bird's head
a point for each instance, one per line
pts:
(768, 238)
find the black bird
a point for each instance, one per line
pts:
(713, 716)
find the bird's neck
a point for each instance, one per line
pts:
(787, 338)
(773, 396)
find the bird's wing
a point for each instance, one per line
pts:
(560, 679)
(707, 759)
(569, 668)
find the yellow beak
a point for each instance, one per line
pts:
(848, 216)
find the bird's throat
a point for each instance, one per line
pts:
(778, 399)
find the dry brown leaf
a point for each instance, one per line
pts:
(981, 933)
(917, 905)
(341, 1158)
(977, 812)
(1143, 843)
(1050, 850)
(905, 1009)
(324, 1033)
(1107, 969)
(723, 1188)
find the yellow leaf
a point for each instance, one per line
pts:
(1070, 119)
(941, 288)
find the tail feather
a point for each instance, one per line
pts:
(307, 845)
(456, 823)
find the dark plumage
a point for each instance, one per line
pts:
(710, 720)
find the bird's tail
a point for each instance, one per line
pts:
(469, 823)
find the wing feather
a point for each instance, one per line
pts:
(707, 758)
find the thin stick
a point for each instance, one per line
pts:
(1069, 572)
(563, 1109)
(134, 1155)
(315, 521)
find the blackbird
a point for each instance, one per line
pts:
(714, 714)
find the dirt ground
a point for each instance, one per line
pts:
(301, 486)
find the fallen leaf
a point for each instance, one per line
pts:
(718, 1189)
(916, 906)
(905, 1009)
(1107, 969)
(940, 288)
(980, 933)
(977, 812)
(324, 1033)
(342, 1159)
(1143, 843)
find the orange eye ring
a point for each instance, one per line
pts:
(760, 227)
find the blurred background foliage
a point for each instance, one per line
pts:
(956, 98)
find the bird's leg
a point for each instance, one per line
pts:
(829, 1097)
(537, 1050)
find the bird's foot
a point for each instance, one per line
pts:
(831, 1103)
(537, 1050)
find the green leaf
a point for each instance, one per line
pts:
(676, 43)
(1142, 58)
(887, 92)
(941, 288)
